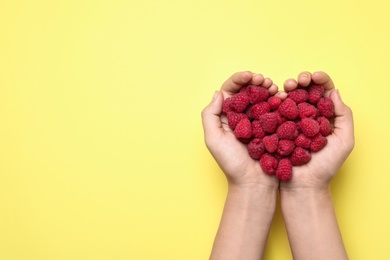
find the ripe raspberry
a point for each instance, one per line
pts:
(234, 118)
(326, 107)
(287, 130)
(303, 141)
(239, 102)
(243, 129)
(281, 119)
(274, 102)
(309, 127)
(269, 122)
(257, 130)
(289, 109)
(325, 126)
(285, 147)
(257, 94)
(243, 89)
(268, 163)
(284, 170)
(299, 95)
(256, 148)
(300, 156)
(271, 143)
(318, 142)
(226, 105)
(307, 110)
(260, 109)
(315, 93)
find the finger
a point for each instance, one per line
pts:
(211, 120)
(321, 78)
(233, 84)
(343, 123)
(267, 83)
(304, 78)
(257, 79)
(273, 89)
(290, 84)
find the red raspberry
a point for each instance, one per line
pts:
(287, 130)
(281, 119)
(299, 95)
(326, 107)
(256, 148)
(226, 105)
(243, 89)
(243, 129)
(289, 109)
(269, 122)
(260, 109)
(309, 127)
(257, 130)
(274, 102)
(303, 141)
(300, 156)
(318, 142)
(271, 143)
(315, 93)
(325, 126)
(257, 93)
(307, 110)
(284, 170)
(239, 102)
(285, 147)
(268, 163)
(234, 118)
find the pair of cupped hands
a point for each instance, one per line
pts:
(232, 155)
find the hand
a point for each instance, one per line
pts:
(325, 163)
(232, 155)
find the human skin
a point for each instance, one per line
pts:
(306, 201)
(251, 198)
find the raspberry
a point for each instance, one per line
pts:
(303, 141)
(281, 119)
(260, 109)
(309, 127)
(289, 109)
(300, 156)
(284, 170)
(318, 142)
(271, 143)
(315, 93)
(243, 129)
(325, 126)
(298, 95)
(269, 122)
(234, 118)
(239, 102)
(287, 130)
(274, 102)
(226, 105)
(256, 148)
(285, 147)
(307, 110)
(325, 107)
(268, 163)
(257, 130)
(257, 93)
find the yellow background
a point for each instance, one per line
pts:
(101, 143)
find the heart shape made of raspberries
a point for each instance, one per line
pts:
(280, 133)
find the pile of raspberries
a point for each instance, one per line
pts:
(280, 133)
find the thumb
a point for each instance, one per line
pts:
(211, 117)
(343, 122)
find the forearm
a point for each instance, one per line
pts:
(245, 223)
(311, 225)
